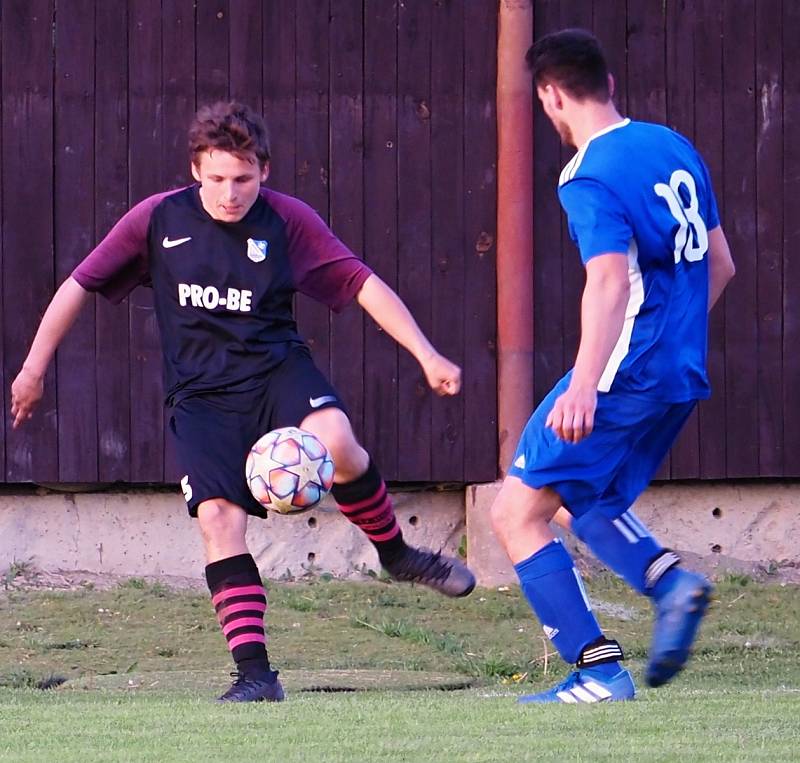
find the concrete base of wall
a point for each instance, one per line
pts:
(754, 528)
(149, 533)
(718, 526)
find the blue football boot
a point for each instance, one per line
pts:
(678, 615)
(586, 686)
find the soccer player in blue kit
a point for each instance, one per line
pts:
(224, 258)
(640, 207)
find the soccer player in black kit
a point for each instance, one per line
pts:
(224, 257)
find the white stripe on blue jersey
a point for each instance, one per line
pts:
(574, 164)
(635, 300)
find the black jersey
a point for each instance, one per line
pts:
(223, 291)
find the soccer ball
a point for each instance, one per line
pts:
(289, 470)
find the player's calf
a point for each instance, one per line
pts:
(680, 598)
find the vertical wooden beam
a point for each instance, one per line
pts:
(514, 225)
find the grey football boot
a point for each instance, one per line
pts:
(444, 574)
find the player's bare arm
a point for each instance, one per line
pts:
(720, 265)
(605, 298)
(27, 389)
(391, 314)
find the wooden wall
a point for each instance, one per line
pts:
(382, 116)
(726, 75)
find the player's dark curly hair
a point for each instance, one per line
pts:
(229, 126)
(573, 60)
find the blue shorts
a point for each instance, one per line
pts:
(612, 466)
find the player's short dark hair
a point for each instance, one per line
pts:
(229, 126)
(573, 60)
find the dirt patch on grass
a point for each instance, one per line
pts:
(24, 576)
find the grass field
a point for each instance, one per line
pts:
(144, 662)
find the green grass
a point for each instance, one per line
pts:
(671, 725)
(144, 662)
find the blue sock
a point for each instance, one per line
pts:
(554, 590)
(626, 546)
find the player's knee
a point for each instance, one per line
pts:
(340, 443)
(218, 518)
(349, 459)
(333, 428)
(517, 508)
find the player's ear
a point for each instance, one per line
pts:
(195, 172)
(556, 97)
(611, 85)
(265, 172)
(546, 96)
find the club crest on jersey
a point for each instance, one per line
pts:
(257, 250)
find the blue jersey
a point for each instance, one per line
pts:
(642, 189)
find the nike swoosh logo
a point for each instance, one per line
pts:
(168, 244)
(316, 402)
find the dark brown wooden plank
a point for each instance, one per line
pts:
(791, 239)
(680, 99)
(213, 51)
(279, 67)
(380, 226)
(178, 87)
(111, 202)
(448, 284)
(312, 159)
(246, 28)
(178, 105)
(74, 232)
(347, 193)
(575, 14)
(708, 141)
(769, 233)
(680, 95)
(609, 25)
(480, 242)
(145, 110)
(741, 335)
(28, 284)
(549, 362)
(646, 61)
(414, 227)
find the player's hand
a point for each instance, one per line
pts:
(26, 392)
(572, 417)
(443, 376)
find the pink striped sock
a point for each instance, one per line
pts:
(240, 602)
(367, 504)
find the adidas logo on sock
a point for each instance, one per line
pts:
(551, 633)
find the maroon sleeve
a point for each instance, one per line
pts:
(119, 263)
(322, 266)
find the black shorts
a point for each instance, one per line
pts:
(213, 433)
